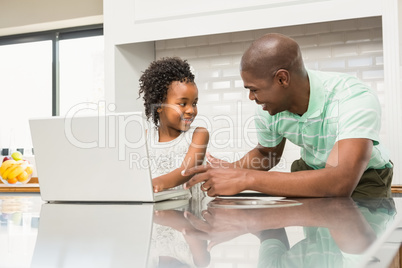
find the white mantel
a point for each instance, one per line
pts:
(141, 21)
(132, 27)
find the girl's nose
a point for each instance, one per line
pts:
(190, 109)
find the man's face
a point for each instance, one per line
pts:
(266, 92)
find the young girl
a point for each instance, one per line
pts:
(170, 99)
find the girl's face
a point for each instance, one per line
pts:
(180, 107)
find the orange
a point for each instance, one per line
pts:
(12, 181)
(23, 176)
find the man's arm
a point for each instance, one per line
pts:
(345, 166)
(262, 158)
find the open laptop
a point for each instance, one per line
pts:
(94, 158)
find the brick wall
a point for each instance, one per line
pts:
(351, 46)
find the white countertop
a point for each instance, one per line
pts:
(316, 233)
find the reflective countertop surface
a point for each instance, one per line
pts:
(319, 232)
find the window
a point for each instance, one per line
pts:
(81, 72)
(45, 74)
(26, 90)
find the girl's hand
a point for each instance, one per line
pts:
(158, 185)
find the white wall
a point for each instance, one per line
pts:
(130, 61)
(24, 16)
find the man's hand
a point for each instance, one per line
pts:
(211, 172)
(217, 180)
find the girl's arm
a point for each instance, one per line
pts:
(194, 157)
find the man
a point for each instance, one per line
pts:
(333, 117)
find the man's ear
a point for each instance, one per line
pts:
(283, 77)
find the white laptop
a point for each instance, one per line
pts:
(94, 158)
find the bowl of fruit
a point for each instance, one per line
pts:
(15, 170)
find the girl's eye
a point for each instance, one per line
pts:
(182, 104)
(194, 104)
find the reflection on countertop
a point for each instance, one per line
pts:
(19, 222)
(319, 232)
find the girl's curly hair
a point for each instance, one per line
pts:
(156, 79)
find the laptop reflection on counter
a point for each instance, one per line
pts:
(96, 235)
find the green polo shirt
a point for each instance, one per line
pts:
(340, 107)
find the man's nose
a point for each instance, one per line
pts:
(251, 96)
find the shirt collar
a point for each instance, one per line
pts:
(317, 97)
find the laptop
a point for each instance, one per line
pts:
(96, 235)
(94, 158)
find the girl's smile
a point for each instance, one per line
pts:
(188, 121)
